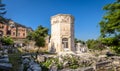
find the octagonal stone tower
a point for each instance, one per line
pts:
(62, 33)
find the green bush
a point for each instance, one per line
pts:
(74, 66)
(47, 63)
(59, 65)
(7, 40)
(95, 44)
(116, 49)
(50, 61)
(74, 63)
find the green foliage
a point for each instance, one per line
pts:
(15, 60)
(40, 42)
(95, 44)
(116, 49)
(7, 40)
(60, 65)
(79, 41)
(30, 36)
(38, 36)
(74, 66)
(74, 63)
(46, 65)
(110, 41)
(68, 61)
(110, 25)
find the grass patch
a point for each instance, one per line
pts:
(20, 49)
(15, 59)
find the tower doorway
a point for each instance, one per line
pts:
(65, 42)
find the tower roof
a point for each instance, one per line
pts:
(62, 15)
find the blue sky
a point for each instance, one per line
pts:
(32, 13)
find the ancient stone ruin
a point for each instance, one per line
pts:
(62, 33)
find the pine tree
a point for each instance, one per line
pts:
(2, 9)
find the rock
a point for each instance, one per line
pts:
(1, 52)
(5, 66)
(102, 56)
(65, 64)
(6, 56)
(53, 68)
(34, 66)
(26, 60)
(67, 69)
(60, 60)
(116, 62)
(110, 54)
(69, 53)
(103, 65)
(79, 69)
(5, 51)
(26, 56)
(40, 58)
(4, 60)
(29, 69)
(86, 69)
(31, 62)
